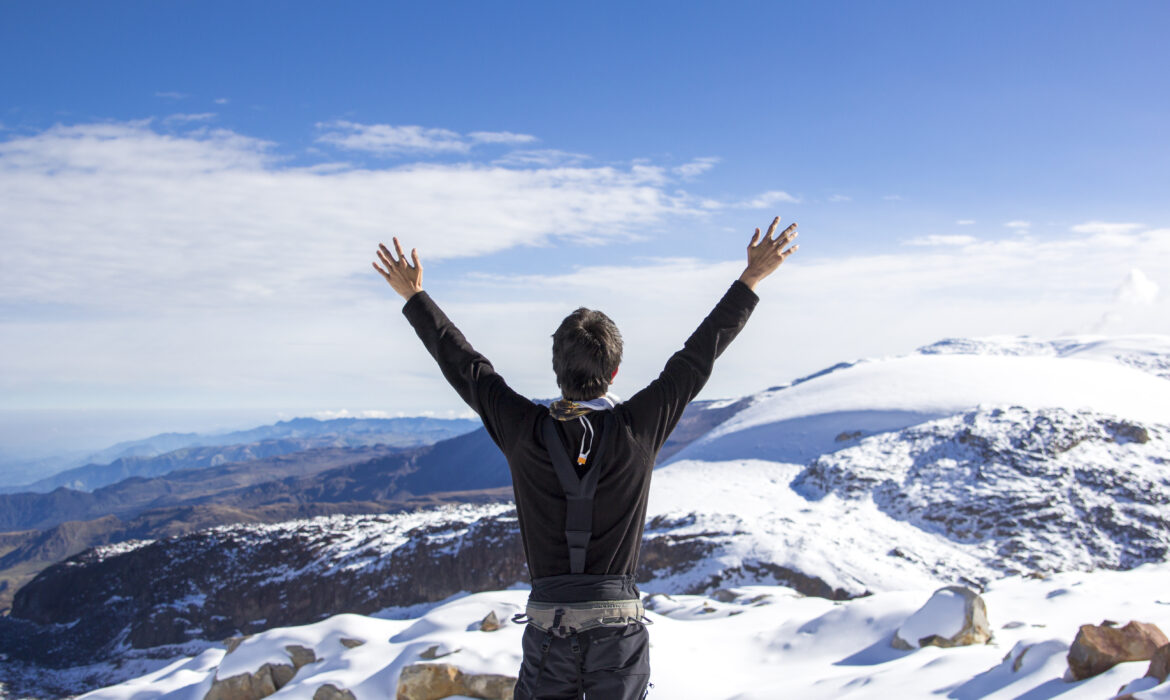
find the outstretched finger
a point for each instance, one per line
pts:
(398, 249)
(790, 251)
(786, 237)
(381, 271)
(755, 238)
(772, 228)
(385, 256)
(414, 257)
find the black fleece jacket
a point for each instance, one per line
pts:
(640, 427)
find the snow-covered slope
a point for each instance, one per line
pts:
(964, 462)
(1125, 377)
(755, 642)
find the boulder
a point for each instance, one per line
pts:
(490, 623)
(268, 679)
(954, 616)
(436, 651)
(332, 692)
(1160, 664)
(1098, 648)
(435, 681)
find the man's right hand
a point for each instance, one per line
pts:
(764, 256)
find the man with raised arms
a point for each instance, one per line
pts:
(581, 471)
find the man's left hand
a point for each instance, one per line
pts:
(404, 278)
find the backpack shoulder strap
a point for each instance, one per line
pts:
(579, 491)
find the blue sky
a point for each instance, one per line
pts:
(190, 193)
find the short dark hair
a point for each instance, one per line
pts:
(587, 349)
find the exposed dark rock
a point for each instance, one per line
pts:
(1098, 648)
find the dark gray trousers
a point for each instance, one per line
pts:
(604, 663)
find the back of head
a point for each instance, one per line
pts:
(587, 349)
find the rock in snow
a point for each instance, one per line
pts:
(954, 616)
(436, 681)
(1098, 648)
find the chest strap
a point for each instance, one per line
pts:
(579, 491)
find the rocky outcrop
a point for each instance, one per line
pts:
(954, 616)
(242, 579)
(429, 681)
(1098, 648)
(1017, 480)
(265, 681)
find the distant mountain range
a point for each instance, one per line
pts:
(166, 452)
(37, 529)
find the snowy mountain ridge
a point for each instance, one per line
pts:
(963, 462)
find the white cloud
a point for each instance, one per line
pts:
(500, 137)
(696, 167)
(1136, 288)
(840, 198)
(544, 158)
(768, 199)
(1019, 225)
(171, 95)
(965, 222)
(942, 240)
(186, 118)
(221, 100)
(198, 270)
(893, 197)
(390, 140)
(121, 217)
(385, 139)
(1107, 227)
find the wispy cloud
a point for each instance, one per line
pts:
(384, 139)
(696, 167)
(171, 95)
(767, 199)
(390, 140)
(1019, 225)
(221, 100)
(1136, 288)
(185, 118)
(840, 198)
(122, 216)
(965, 222)
(545, 158)
(1107, 227)
(942, 240)
(892, 198)
(500, 137)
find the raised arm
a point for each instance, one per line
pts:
(656, 409)
(468, 371)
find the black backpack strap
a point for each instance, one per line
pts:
(579, 491)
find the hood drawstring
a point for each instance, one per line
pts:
(583, 455)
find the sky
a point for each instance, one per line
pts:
(191, 193)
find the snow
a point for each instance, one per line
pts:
(885, 479)
(799, 422)
(943, 615)
(766, 642)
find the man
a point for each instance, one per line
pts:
(581, 472)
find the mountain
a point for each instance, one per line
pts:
(167, 452)
(965, 461)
